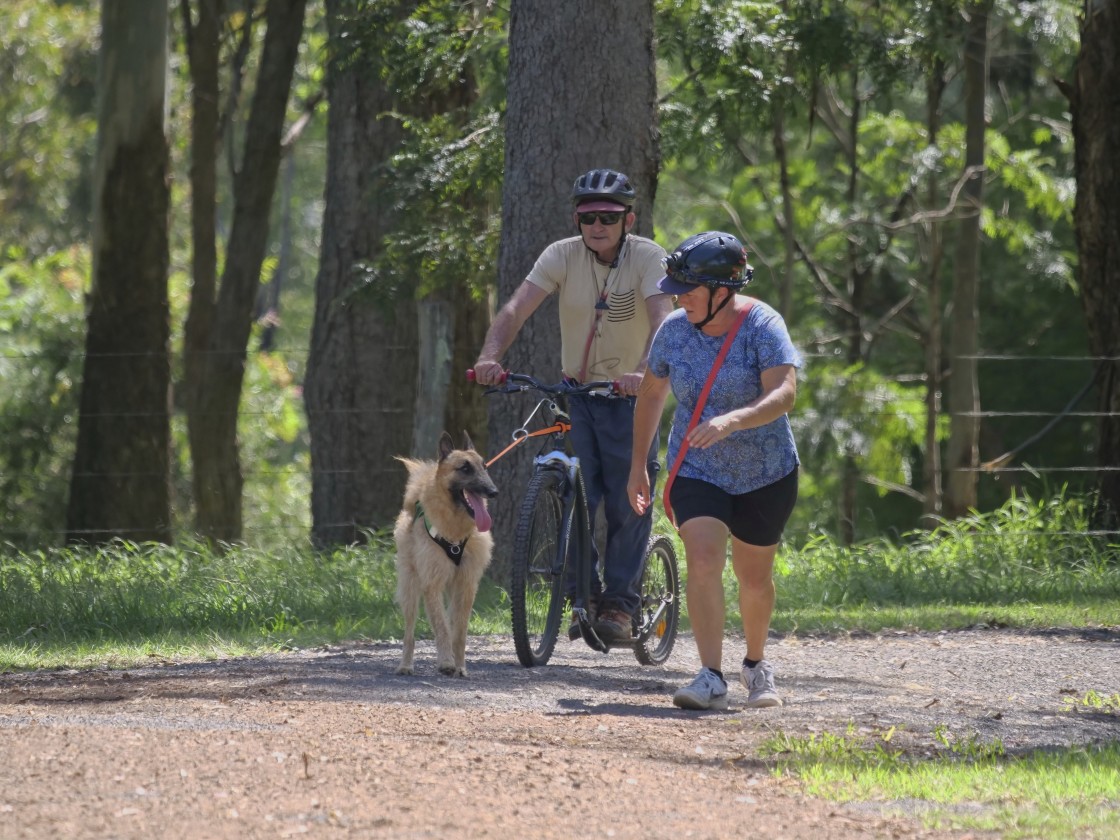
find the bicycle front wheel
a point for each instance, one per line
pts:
(537, 579)
(660, 591)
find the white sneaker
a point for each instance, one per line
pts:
(707, 691)
(759, 683)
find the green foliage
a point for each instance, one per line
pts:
(42, 329)
(1026, 552)
(726, 70)
(446, 62)
(128, 591)
(1023, 558)
(272, 431)
(1095, 702)
(447, 199)
(854, 411)
(868, 182)
(48, 63)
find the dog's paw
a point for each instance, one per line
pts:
(405, 670)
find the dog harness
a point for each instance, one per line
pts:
(454, 551)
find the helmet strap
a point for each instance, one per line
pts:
(711, 313)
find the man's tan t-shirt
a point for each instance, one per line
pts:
(621, 332)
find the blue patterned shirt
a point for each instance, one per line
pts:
(748, 459)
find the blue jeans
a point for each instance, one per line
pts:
(602, 436)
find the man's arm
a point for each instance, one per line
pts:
(504, 329)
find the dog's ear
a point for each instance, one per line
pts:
(467, 442)
(446, 445)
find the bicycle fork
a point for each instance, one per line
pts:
(575, 543)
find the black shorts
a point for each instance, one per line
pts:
(756, 518)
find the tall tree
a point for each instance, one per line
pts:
(120, 481)
(222, 321)
(1095, 101)
(931, 242)
(203, 49)
(360, 384)
(414, 237)
(963, 455)
(581, 94)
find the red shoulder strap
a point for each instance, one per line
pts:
(696, 412)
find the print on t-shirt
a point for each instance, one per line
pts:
(622, 306)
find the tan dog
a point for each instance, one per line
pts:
(443, 547)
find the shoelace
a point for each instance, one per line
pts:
(758, 678)
(708, 679)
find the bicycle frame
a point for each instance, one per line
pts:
(575, 536)
(556, 494)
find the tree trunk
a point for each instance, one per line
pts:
(963, 455)
(857, 290)
(466, 410)
(217, 391)
(781, 154)
(267, 309)
(934, 256)
(561, 120)
(203, 50)
(433, 377)
(120, 485)
(360, 385)
(202, 47)
(1095, 102)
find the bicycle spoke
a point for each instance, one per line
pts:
(660, 603)
(537, 585)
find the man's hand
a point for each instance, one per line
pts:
(629, 383)
(487, 372)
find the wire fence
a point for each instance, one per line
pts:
(296, 524)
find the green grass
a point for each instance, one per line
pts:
(963, 783)
(1029, 564)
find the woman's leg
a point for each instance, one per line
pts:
(754, 569)
(705, 546)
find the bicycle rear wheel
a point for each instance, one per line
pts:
(537, 577)
(660, 612)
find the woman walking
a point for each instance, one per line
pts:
(735, 465)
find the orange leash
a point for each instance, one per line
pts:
(558, 426)
(700, 407)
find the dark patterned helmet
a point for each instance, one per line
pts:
(603, 185)
(713, 258)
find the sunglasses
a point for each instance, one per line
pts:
(611, 218)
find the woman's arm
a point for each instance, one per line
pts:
(647, 415)
(779, 393)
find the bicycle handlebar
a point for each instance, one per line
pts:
(515, 382)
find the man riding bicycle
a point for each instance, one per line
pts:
(610, 307)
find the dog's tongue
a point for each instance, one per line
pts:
(482, 519)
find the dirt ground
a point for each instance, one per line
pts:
(332, 743)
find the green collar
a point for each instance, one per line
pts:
(454, 551)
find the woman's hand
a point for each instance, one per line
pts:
(637, 489)
(711, 432)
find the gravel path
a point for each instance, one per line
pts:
(332, 743)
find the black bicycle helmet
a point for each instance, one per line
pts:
(605, 185)
(713, 258)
